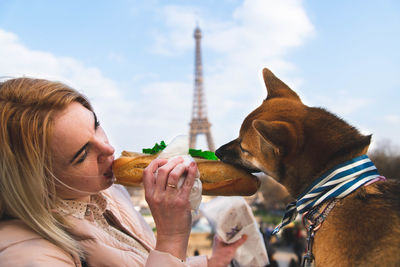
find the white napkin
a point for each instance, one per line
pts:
(231, 217)
(179, 147)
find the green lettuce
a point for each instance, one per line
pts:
(198, 153)
(155, 149)
(202, 154)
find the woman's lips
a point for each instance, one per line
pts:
(109, 173)
(109, 162)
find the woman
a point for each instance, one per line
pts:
(58, 204)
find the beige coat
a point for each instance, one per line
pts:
(20, 246)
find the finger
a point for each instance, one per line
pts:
(189, 181)
(148, 173)
(155, 164)
(239, 242)
(219, 242)
(235, 244)
(163, 172)
(174, 176)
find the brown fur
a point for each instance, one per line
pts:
(295, 144)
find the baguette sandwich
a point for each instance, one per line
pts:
(218, 178)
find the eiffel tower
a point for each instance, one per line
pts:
(199, 124)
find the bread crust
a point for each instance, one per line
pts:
(218, 178)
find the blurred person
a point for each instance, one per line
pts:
(58, 203)
(300, 243)
(266, 231)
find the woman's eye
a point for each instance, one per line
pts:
(83, 157)
(96, 121)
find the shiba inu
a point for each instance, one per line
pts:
(322, 161)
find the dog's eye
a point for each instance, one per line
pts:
(244, 150)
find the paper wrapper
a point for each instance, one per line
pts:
(231, 217)
(179, 147)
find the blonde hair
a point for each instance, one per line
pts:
(27, 186)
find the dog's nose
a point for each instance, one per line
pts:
(218, 153)
(224, 151)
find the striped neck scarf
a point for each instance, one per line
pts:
(338, 182)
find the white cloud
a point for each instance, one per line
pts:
(258, 34)
(19, 60)
(158, 110)
(180, 21)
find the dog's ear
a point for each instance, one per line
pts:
(278, 133)
(277, 88)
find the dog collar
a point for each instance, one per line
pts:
(338, 182)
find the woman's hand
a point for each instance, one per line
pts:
(223, 253)
(169, 204)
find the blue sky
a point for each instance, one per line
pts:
(135, 59)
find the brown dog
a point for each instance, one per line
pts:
(296, 144)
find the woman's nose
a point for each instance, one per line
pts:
(106, 152)
(105, 149)
(108, 149)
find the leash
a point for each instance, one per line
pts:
(336, 183)
(312, 221)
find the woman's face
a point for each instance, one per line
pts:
(82, 155)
